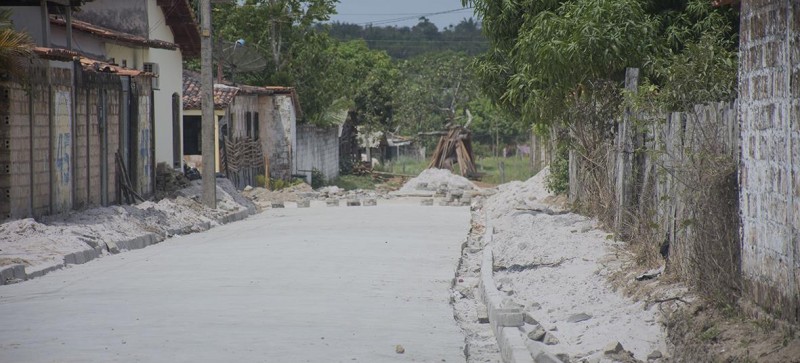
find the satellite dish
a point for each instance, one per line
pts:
(236, 57)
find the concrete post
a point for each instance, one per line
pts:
(207, 104)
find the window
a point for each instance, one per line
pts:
(248, 124)
(192, 135)
(255, 126)
(152, 68)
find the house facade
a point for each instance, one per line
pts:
(257, 130)
(81, 129)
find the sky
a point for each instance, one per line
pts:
(401, 12)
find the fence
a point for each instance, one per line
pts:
(674, 178)
(61, 129)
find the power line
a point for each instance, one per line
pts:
(412, 17)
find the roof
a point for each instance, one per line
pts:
(185, 29)
(192, 100)
(224, 93)
(111, 34)
(87, 63)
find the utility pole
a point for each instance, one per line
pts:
(207, 104)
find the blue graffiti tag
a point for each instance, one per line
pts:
(62, 156)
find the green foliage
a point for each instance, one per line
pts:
(434, 90)
(15, 47)
(352, 182)
(543, 54)
(404, 165)
(514, 168)
(409, 42)
(558, 180)
(317, 179)
(278, 184)
(261, 180)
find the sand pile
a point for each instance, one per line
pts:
(44, 243)
(555, 264)
(435, 179)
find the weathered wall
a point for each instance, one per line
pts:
(279, 135)
(59, 133)
(128, 16)
(769, 89)
(144, 180)
(318, 148)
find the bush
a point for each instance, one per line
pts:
(317, 179)
(351, 182)
(558, 180)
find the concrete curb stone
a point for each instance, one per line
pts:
(506, 323)
(18, 272)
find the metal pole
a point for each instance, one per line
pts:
(207, 102)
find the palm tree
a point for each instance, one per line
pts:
(15, 47)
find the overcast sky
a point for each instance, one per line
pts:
(401, 12)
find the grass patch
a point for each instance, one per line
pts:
(351, 182)
(404, 166)
(515, 168)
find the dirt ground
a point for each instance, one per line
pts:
(698, 331)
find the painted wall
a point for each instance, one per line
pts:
(769, 101)
(197, 160)
(27, 19)
(170, 82)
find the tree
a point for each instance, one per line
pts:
(434, 90)
(271, 25)
(15, 47)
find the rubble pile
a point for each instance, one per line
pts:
(168, 181)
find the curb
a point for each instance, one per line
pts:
(505, 322)
(16, 273)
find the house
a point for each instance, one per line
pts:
(80, 129)
(256, 129)
(154, 36)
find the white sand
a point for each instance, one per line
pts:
(46, 242)
(555, 261)
(432, 179)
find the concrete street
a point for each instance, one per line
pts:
(317, 284)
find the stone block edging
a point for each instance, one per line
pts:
(17, 273)
(506, 322)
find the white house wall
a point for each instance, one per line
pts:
(170, 81)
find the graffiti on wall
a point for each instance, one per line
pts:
(62, 145)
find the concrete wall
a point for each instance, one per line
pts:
(318, 148)
(170, 80)
(769, 89)
(59, 141)
(129, 16)
(279, 135)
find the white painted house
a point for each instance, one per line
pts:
(170, 34)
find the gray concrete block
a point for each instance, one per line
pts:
(506, 319)
(332, 202)
(277, 205)
(353, 203)
(370, 203)
(6, 274)
(427, 202)
(303, 203)
(112, 247)
(70, 259)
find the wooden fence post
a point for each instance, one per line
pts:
(625, 179)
